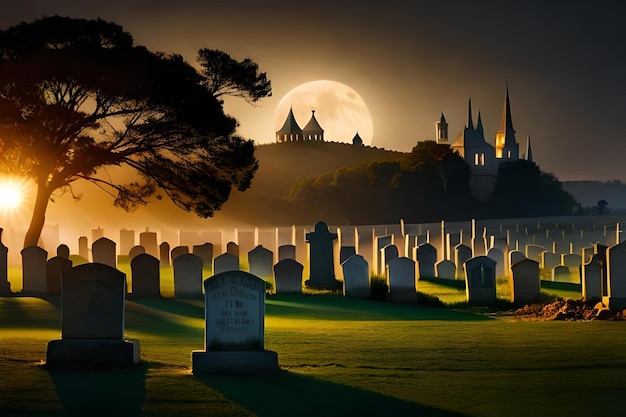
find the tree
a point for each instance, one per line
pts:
(224, 75)
(77, 95)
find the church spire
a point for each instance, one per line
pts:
(479, 127)
(529, 151)
(290, 130)
(441, 130)
(506, 145)
(470, 122)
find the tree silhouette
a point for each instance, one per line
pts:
(77, 95)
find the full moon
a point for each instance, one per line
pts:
(339, 110)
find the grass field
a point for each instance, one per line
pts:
(337, 356)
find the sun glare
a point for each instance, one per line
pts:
(12, 192)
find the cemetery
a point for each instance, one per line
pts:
(475, 321)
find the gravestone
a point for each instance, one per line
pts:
(225, 262)
(187, 276)
(462, 253)
(356, 277)
(549, 260)
(534, 252)
(136, 250)
(572, 261)
(234, 335)
(233, 249)
(387, 254)
(560, 273)
(63, 251)
(261, 261)
(379, 243)
(92, 322)
(401, 280)
(480, 280)
(148, 240)
(146, 276)
(616, 277)
(55, 267)
(103, 252)
(525, 282)
(498, 256)
(34, 270)
(286, 252)
(205, 252)
(164, 254)
(446, 269)
(346, 252)
(426, 259)
(592, 275)
(5, 285)
(178, 251)
(321, 258)
(83, 247)
(288, 277)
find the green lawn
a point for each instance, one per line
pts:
(338, 357)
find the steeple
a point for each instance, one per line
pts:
(441, 130)
(470, 122)
(529, 151)
(506, 145)
(290, 130)
(479, 127)
(356, 140)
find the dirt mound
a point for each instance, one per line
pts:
(566, 309)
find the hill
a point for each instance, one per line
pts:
(279, 166)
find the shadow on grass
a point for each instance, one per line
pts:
(334, 307)
(101, 393)
(289, 394)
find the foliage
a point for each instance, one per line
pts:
(224, 75)
(523, 190)
(429, 184)
(77, 96)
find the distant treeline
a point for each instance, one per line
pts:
(431, 183)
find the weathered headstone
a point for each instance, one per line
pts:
(233, 249)
(321, 258)
(178, 251)
(63, 251)
(387, 254)
(286, 252)
(288, 277)
(356, 277)
(462, 253)
(616, 277)
(55, 267)
(261, 261)
(146, 276)
(592, 274)
(34, 270)
(446, 269)
(498, 256)
(103, 252)
(136, 250)
(92, 324)
(560, 273)
(164, 254)
(5, 285)
(525, 282)
(205, 252)
(187, 276)
(148, 240)
(480, 280)
(401, 280)
(225, 262)
(234, 337)
(426, 259)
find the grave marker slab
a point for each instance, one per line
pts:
(446, 269)
(225, 262)
(286, 252)
(592, 279)
(178, 251)
(234, 337)
(288, 277)
(164, 254)
(401, 280)
(480, 280)
(92, 324)
(525, 282)
(426, 259)
(146, 276)
(188, 276)
(5, 285)
(103, 252)
(148, 240)
(616, 277)
(356, 277)
(261, 261)
(34, 270)
(55, 267)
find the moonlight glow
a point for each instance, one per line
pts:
(340, 110)
(11, 193)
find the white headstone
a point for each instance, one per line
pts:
(356, 278)
(401, 279)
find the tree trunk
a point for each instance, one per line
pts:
(39, 216)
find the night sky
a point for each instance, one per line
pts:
(564, 62)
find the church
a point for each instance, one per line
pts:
(482, 157)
